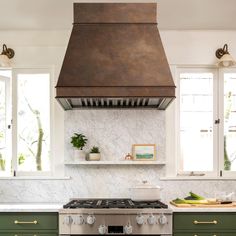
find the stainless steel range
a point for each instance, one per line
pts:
(114, 216)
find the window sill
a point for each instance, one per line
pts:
(35, 178)
(192, 178)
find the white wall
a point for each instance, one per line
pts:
(47, 48)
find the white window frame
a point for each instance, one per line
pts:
(173, 139)
(15, 72)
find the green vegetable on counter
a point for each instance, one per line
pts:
(191, 199)
(196, 197)
(183, 201)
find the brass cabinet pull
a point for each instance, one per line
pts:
(214, 222)
(197, 235)
(36, 235)
(26, 222)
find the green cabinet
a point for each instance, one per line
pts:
(29, 224)
(25, 234)
(204, 234)
(204, 224)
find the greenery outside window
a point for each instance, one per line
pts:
(25, 121)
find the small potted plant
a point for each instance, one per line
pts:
(79, 141)
(94, 154)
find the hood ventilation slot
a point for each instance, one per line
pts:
(100, 103)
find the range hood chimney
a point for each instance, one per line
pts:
(115, 59)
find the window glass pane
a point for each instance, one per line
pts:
(5, 131)
(196, 121)
(33, 122)
(230, 121)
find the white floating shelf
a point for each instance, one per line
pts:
(116, 163)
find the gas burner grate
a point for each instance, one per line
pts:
(74, 204)
(113, 203)
(154, 204)
(116, 203)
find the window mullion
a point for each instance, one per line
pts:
(221, 124)
(14, 121)
(217, 122)
(8, 118)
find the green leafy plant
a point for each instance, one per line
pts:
(79, 141)
(94, 149)
(2, 163)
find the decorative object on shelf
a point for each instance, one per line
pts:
(225, 59)
(79, 141)
(5, 56)
(94, 154)
(128, 157)
(144, 152)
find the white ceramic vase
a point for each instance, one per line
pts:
(94, 156)
(79, 155)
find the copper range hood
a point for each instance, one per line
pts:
(115, 59)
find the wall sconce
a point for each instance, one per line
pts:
(5, 56)
(225, 59)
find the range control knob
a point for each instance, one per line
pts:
(151, 219)
(162, 220)
(79, 220)
(91, 219)
(67, 220)
(128, 229)
(102, 229)
(140, 220)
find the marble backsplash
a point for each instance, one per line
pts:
(114, 131)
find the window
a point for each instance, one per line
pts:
(5, 119)
(29, 125)
(207, 122)
(196, 121)
(229, 121)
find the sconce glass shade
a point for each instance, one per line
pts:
(4, 61)
(226, 61)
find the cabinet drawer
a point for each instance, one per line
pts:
(205, 221)
(204, 234)
(28, 221)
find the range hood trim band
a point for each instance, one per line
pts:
(115, 92)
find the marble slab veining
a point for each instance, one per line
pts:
(114, 131)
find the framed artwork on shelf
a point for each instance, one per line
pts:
(144, 152)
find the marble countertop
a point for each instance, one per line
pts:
(30, 207)
(54, 207)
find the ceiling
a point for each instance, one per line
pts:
(172, 14)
